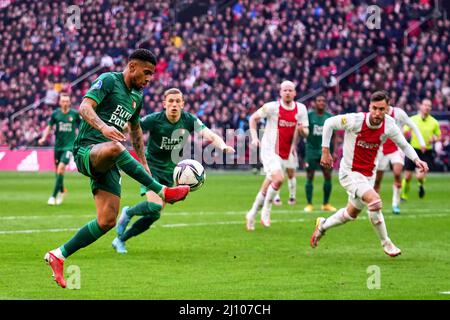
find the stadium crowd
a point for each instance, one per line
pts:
(227, 62)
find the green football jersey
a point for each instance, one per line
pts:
(116, 105)
(166, 137)
(65, 128)
(314, 140)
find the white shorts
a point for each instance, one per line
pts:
(273, 162)
(356, 185)
(391, 158)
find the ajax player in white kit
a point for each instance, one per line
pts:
(285, 120)
(364, 135)
(390, 154)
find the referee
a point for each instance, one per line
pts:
(431, 132)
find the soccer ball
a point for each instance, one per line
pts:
(189, 172)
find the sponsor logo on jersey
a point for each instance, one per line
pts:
(317, 130)
(284, 123)
(171, 143)
(120, 116)
(368, 145)
(64, 127)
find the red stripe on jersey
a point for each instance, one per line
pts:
(367, 145)
(287, 123)
(389, 146)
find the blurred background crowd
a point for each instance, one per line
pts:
(228, 57)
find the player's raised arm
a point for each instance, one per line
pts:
(396, 135)
(89, 115)
(216, 140)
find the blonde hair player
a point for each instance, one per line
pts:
(285, 121)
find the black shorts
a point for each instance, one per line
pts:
(426, 156)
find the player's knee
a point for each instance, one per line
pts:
(276, 184)
(115, 148)
(375, 205)
(107, 223)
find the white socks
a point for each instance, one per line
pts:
(57, 253)
(377, 220)
(292, 185)
(257, 204)
(340, 217)
(396, 195)
(271, 193)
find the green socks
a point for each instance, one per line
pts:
(84, 237)
(150, 212)
(309, 190)
(405, 189)
(326, 191)
(134, 169)
(58, 184)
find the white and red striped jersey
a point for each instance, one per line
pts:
(281, 123)
(362, 141)
(401, 119)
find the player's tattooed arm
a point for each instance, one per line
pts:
(137, 139)
(90, 116)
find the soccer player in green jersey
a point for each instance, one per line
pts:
(313, 153)
(168, 131)
(65, 121)
(431, 132)
(114, 99)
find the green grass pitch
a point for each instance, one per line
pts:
(199, 249)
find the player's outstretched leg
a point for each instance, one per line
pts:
(57, 266)
(123, 221)
(84, 237)
(251, 214)
(265, 212)
(109, 153)
(149, 212)
(107, 207)
(322, 224)
(377, 219)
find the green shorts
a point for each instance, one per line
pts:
(62, 156)
(165, 178)
(109, 181)
(312, 163)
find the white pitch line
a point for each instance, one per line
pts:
(36, 231)
(445, 292)
(201, 213)
(200, 224)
